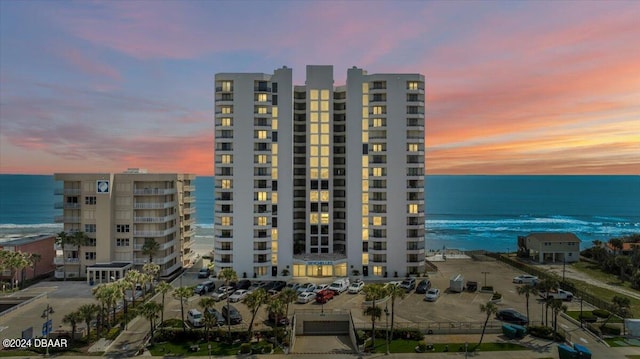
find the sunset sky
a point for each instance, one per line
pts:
(513, 87)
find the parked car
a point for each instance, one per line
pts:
(222, 293)
(324, 296)
(232, 314)
(256, 285)
(293, 286)
(321, 287)
(238, 295)
(432, 295)
(423, 286)
(204, 273)
(472, 286)
(512, 316)
(306, 297)
(204, 287)
(218, 317)
(339, 285)
(194, 317)
(408, 284)
(526, 279)
(280, 319)
(356, 287)
(277, 287)
(243, 284)
(306, 287)
(557, 294)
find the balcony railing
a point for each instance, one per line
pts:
(153, 191)
(63, 219)
(67, 191)
(170, 269)
(154, 233)
(153, 205)
(154, 219)
(60, 261)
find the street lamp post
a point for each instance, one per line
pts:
(581, 319)
(485, 278)
(209, 346)
(386, 312)
(45, 315)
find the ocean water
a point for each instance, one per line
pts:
(464, 212)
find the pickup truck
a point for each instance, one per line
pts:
(559, 294)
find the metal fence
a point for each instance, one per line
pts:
(493, 326)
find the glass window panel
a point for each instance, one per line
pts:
(313, 173)
(365, 161)
(313, 196)
(365, 124)
(324, 117)
(314, 117)
(313, 128)
(313, 150)
(377, 221)
(274, 236)
(274, 111)
(274, 148)
(365, 137)
(365, 100)
(313, 106)
(324, 196)
(365, 198)
(274, 124)
(365, 234)
(325, 150)
(324, 218)
(365, 258)
(324, 94)
(324, 173)
(365, 222)
(313, 94)
(313, 218)
(365, 173)
(324, 162)
(365, 112)
(325, 139)
(325, 128)
(365, 209)
(274, 174)
(313, 162)
(313, 139)
(365, 185)
(365, 87)
(274, 197)
(274, 161)
(324, 105)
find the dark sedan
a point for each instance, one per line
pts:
(423, 286)
(512, 316)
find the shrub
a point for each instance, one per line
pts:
(610, 330)
(407, 333)
(267, 348)
(245, 348)
(601, 313)
(587, 317)
(496, 296)
(421, 347)
(541, 332)
(361, 336)
(113, 333)
(594, 329)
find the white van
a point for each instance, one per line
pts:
(339, 285)
(195, 318)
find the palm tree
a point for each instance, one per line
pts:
(228, 275)
(88, 312)
(149, 247)
(621, 305)
(527, 291)
(557, 306)
(150, 310)
(254, 301)
(288, 296)
(63, 239)
(79, 239)
(617, 244)
(152, 270)
(547, 285)
(133, 278)
(72, 319)
(490, 309)
(34, 259)
(164, 288)
(623, 262)
(373, 293)
(393, 292)
(182, 294)
(276, 306)
(209, 321)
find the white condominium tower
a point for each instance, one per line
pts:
(119, 213)
(319, 180)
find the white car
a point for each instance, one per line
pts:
(320, 287)
(432, 295)
(222, 293)
(526, 279)
(356, 287)
(306, 297)
(307, 287)
(238, 295)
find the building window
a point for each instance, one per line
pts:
(413, 147)
(261, 196)
(412, 208)
(412, 85)
(379, 110)
(226, 109)
(377, 270)
(261, 221)
(262, 134)
(378, 122)
(227, 184)
(122, 242)
(226, 221)
(226, 159)
(261, 97)
(227, 86)
(226, 122)
(90, 256)
(90, 200)
(260, 159)
(122, 228)
(90, 228)
(261, 109)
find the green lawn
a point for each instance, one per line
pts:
(217, 349)
(408, 346)
(618, 342)
(594, 271)
(606, 294)
(575, 314)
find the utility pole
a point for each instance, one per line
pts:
(386, 312)
(47, 326)
(485, 277)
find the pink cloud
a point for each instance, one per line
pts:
(90, 66)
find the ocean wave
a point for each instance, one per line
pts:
(30, 226)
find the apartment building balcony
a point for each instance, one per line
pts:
(66, 219)
(189, 233)
(67, 247)
(67, 191)
(189, 188)
(61, 205)
(154, 233)
(163, 246)
(189, 210)
(189, 199)
(154, 205)
(171, 269)
(223, 250)
(61, 261)
(224, 89)
(153, 191)
(156, 260)
(154, 219)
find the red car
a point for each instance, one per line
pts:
(324, 296)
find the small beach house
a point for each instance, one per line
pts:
(550, 247)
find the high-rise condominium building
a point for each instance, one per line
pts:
(319, 180)
(119, 213)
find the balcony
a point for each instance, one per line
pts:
(160, 261)
(170, 270)
(166, 232)
(153, 205)
(61, 205)
(153, 191)
(154, 219)
(189, 210)
(67, 219)
(189, 199)
(60, 261)
(67, 191)
(189, 188)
